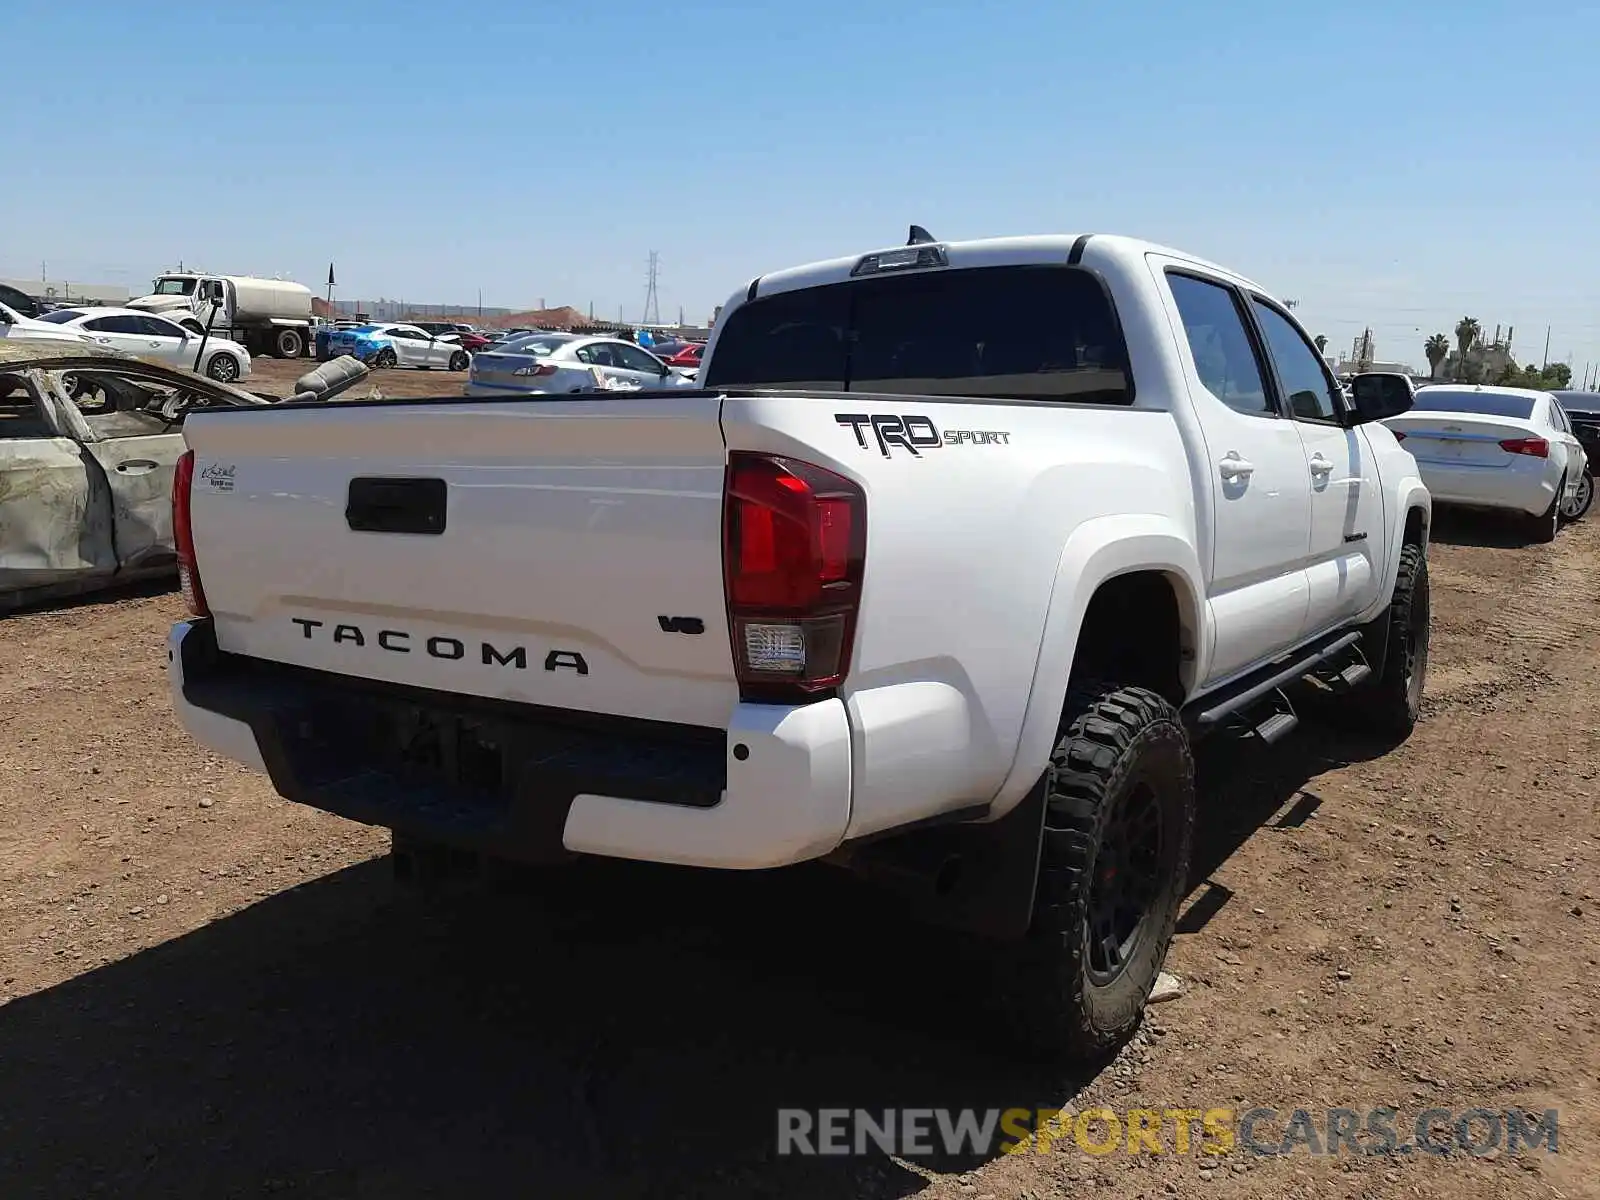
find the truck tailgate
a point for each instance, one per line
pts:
(556, 552)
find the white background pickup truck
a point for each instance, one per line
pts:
(938, 574)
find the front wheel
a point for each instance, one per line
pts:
(460, 361)
(1391, 703)
(1113, 866)
(1582, 498)
(224, 368)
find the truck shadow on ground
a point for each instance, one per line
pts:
(1245, 788)
(614, 1030)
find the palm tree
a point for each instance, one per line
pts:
(1468, 331)
(1437, 348)
(1321, 342)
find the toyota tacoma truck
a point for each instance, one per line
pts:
(937, 576)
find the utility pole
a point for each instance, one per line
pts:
(1546, 362)
(652, 303)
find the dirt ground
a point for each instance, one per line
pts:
(277, 375)
(207, 992)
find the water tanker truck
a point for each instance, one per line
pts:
(269, 316)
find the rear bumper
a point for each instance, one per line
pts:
(519, 782)
(1514, 487)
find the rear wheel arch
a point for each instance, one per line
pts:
(1151, 564)
(1415, 532)
(1139, 630)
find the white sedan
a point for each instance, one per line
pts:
(400, 345)
(1499, 448)
(155, 337)
(545, 363)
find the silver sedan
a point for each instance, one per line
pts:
(553, 363)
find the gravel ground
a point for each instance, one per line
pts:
(208, 992)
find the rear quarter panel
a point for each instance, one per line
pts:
(971, 543)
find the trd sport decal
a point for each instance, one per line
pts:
(915, 433)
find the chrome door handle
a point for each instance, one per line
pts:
(137, 466)
(1321, 466)
(1234, 467)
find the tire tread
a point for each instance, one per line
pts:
(1092, 755)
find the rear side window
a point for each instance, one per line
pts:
(1224, 359)
(1018, 333)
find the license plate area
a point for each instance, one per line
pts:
(451, 767)
(477, 766)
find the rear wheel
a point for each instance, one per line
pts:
(1118, 826)
(385, 358)
(460, 361)
(1543, 527)
(1582, 498)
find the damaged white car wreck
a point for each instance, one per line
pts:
(88, 441)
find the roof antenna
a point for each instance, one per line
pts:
(919, 236)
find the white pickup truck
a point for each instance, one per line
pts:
(936, 576)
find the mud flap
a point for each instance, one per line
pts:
(1375, 642)
(977, 878)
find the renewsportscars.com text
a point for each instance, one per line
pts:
(921, 1132)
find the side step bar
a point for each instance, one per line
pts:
(1277, 727)
(1205, 713)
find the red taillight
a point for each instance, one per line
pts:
(194, 596)
(1537, 447)
(794, 544)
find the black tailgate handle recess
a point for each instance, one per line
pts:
(390, 505)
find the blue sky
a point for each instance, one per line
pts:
(1393, 164)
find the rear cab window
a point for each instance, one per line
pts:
(1040, 332)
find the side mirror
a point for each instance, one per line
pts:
(1377, 397)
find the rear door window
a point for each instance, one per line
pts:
(1020, 333)
(1224, 359)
